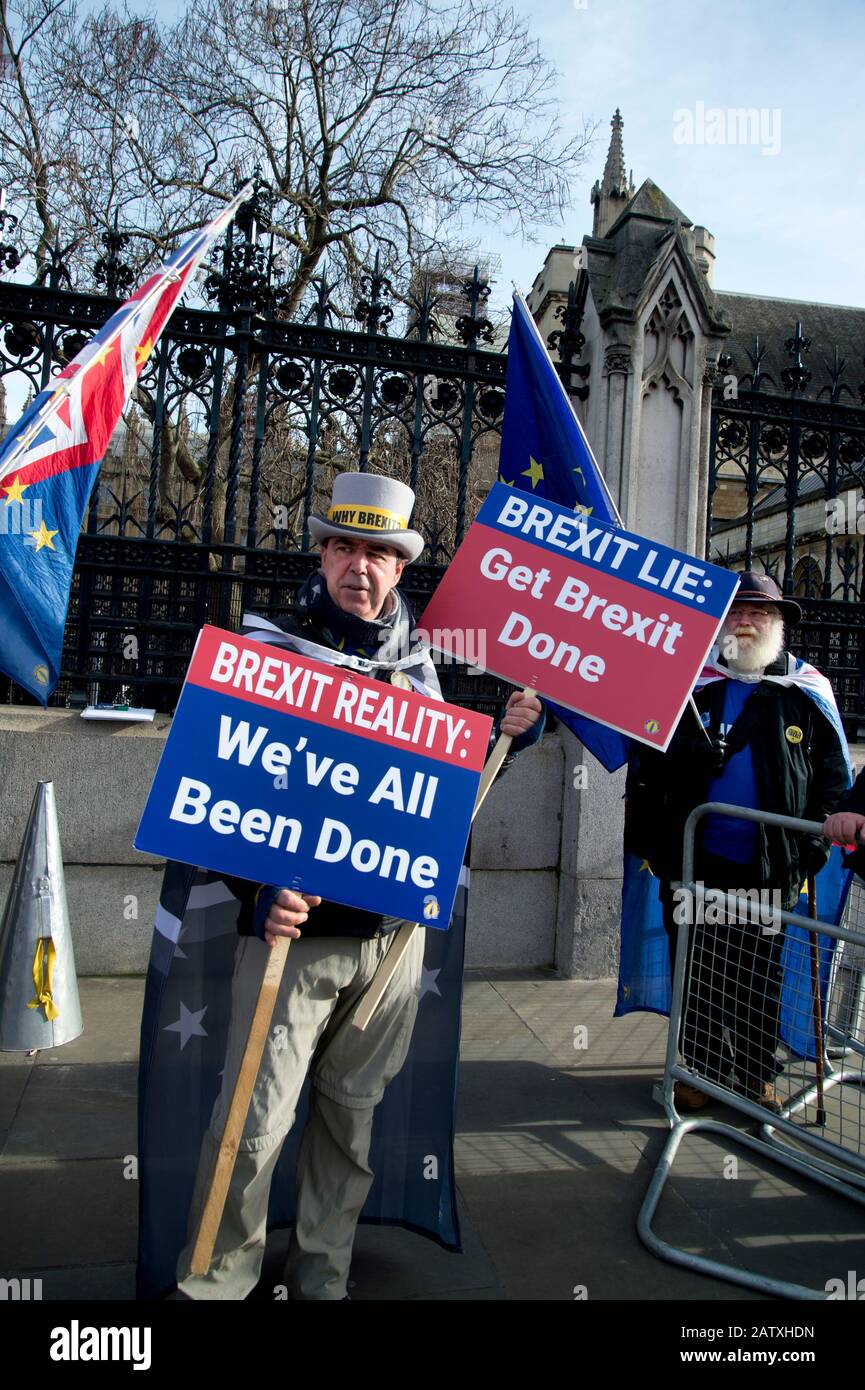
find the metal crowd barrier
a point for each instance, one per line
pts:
(726, 1000)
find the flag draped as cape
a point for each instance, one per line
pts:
(183, 1037)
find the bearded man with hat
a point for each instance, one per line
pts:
(349, 612)
(770, 739)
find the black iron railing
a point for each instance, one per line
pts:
(240, 421)
(786, 476)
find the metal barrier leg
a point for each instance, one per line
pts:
(729, 992)
(801, 1101)
(701, 1264)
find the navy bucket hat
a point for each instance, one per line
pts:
(759, 588)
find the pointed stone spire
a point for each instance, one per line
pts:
(616, 188)
(614, 169)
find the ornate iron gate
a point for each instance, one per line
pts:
(240, 422)
(785, 489)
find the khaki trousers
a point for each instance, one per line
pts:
(311, 1029)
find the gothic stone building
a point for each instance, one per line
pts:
(654, 343)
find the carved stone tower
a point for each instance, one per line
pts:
(615, 190)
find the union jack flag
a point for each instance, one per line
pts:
(49, 462)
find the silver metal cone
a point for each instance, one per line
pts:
(36, 911)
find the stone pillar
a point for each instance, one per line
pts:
(617, 380)
(651, 427)
(590, 875)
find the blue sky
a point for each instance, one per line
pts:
(787, 224)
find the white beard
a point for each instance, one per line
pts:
(755, 654)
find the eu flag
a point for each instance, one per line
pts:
(545, 451)
(49, 462)
(644, 958)
(184, 1028)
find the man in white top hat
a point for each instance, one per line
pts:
(352, 605)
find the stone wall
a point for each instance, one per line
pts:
(102, 771)
(545, 854)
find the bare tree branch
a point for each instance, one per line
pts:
(386, 121)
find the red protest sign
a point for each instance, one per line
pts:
(596, 618)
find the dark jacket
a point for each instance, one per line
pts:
(803, 777)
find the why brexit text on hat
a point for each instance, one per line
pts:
(292, 772)
(596, 618)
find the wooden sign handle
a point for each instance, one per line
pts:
(375, 990)
(815, 1000)
(220, 1180)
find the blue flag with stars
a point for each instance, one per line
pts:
(184, 1031)
(644, 958)
(544, 451)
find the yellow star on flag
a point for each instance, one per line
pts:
(43, 537)
(534, 471)
(508, 482)
(15, 493)
(143, 351)
(101, 357)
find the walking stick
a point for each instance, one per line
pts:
(815, 993)
(693, 703)
(381, 979)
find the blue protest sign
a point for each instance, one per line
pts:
(287, 771)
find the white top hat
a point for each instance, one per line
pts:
(366, 506)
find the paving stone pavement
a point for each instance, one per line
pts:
(557, 1140)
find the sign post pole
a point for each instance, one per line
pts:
(381, 979)
(220, 1181)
